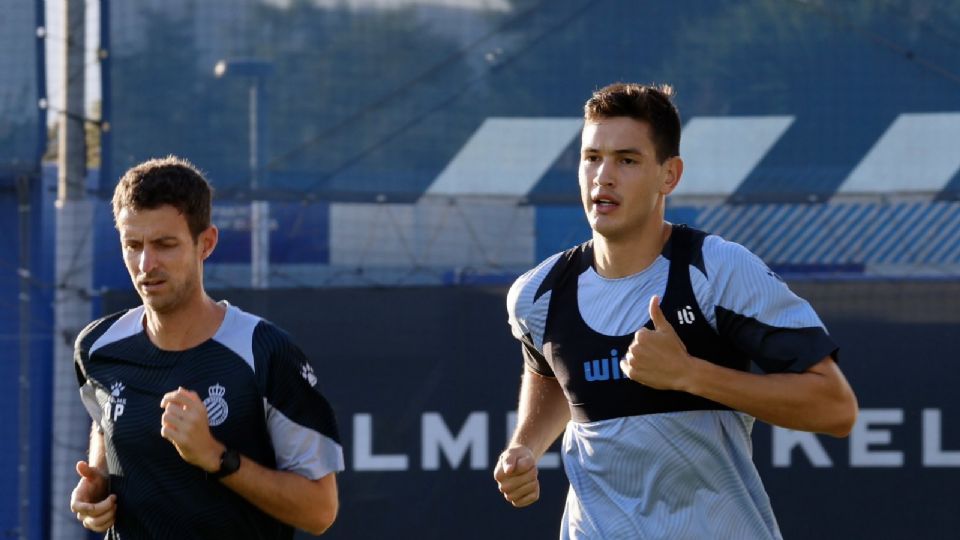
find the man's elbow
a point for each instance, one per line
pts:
(838, 404)
(323, 518)
(844, 416)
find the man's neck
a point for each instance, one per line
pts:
(620, 257)
(186, 327)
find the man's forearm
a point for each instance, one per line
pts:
(542, 413)
(307, 504)
(818, 400)
(310, 505)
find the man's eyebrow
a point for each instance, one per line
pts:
(618, 151)
(139, 238)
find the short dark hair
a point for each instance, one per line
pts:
(170, 181)
(648, 103)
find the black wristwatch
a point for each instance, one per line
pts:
(229, 464)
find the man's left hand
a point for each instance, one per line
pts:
(657, 358)
(184, 423)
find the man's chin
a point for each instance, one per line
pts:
(604, 227)
(157, 305)
(612, 234)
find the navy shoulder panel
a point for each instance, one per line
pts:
(87, 337)
(576, 258)
(92, 332)
(694, 238)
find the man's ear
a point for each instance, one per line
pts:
(673, 170)
(208, 241)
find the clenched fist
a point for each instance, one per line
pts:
(516, 476)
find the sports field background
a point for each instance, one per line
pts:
(417, 155)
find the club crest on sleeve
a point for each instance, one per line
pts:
(306, 371)
(216, 405)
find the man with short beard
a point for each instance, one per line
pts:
(207, 420)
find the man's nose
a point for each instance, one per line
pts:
(605, 174)
(148, 260)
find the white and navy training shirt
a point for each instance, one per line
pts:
(651, 464)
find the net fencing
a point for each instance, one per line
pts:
(435, 142)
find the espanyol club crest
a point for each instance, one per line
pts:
(217, 409)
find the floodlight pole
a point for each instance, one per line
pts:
(257, 71)
(259, 209)
(74, 276)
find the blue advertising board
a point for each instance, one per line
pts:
(424, 382)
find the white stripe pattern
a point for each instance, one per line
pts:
(866, 233)
(720, 152)
(506, 156)
(918, 153)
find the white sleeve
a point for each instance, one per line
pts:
(756, 310)
(527, 314)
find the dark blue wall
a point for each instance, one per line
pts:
(400, 355)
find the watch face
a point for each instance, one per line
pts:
(229, 463)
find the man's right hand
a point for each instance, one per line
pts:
(95, 509)
(516, 476)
